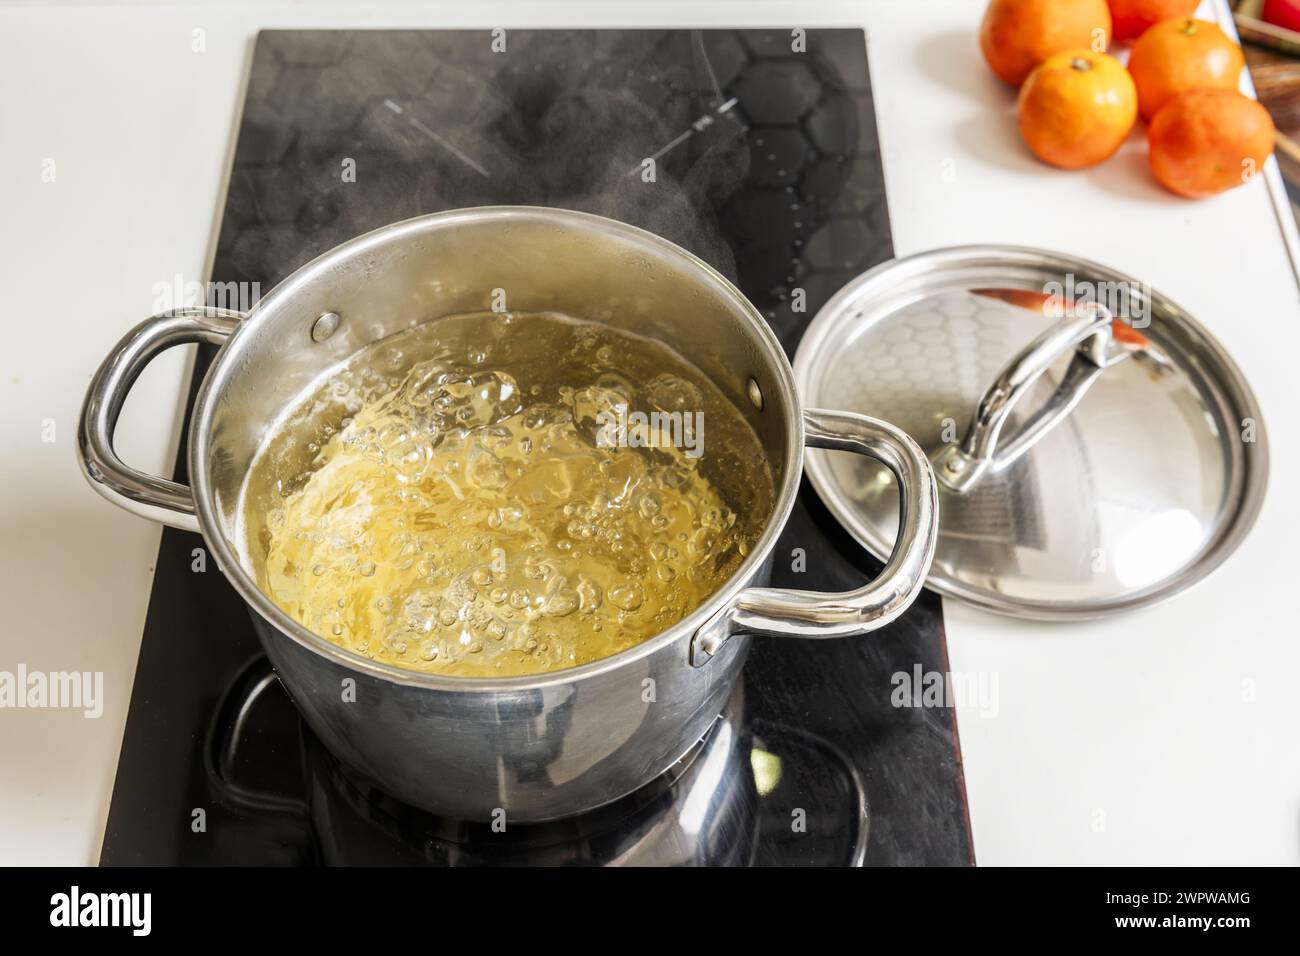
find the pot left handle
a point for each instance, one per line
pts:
(811, 614)
(148, 496)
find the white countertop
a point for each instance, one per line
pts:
(1165, 736)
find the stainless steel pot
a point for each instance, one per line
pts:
(555, 744)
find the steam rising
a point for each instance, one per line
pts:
(436, 120)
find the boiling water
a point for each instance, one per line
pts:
(479, 496)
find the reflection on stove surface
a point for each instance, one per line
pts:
(748, 793)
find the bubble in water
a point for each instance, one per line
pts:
(589, 594)
(561, 600)
(627, 596)
(486, 470)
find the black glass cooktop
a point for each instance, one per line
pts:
(766, 164)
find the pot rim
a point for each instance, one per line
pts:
(227, 359)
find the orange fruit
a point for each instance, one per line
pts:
(1179, 55)
(1076, 108)
(1132, 17)
(1205, 141)
(1017, 35)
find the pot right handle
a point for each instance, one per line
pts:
(148, 496)
(812, 614)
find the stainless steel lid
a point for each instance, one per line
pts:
(1097, 450)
